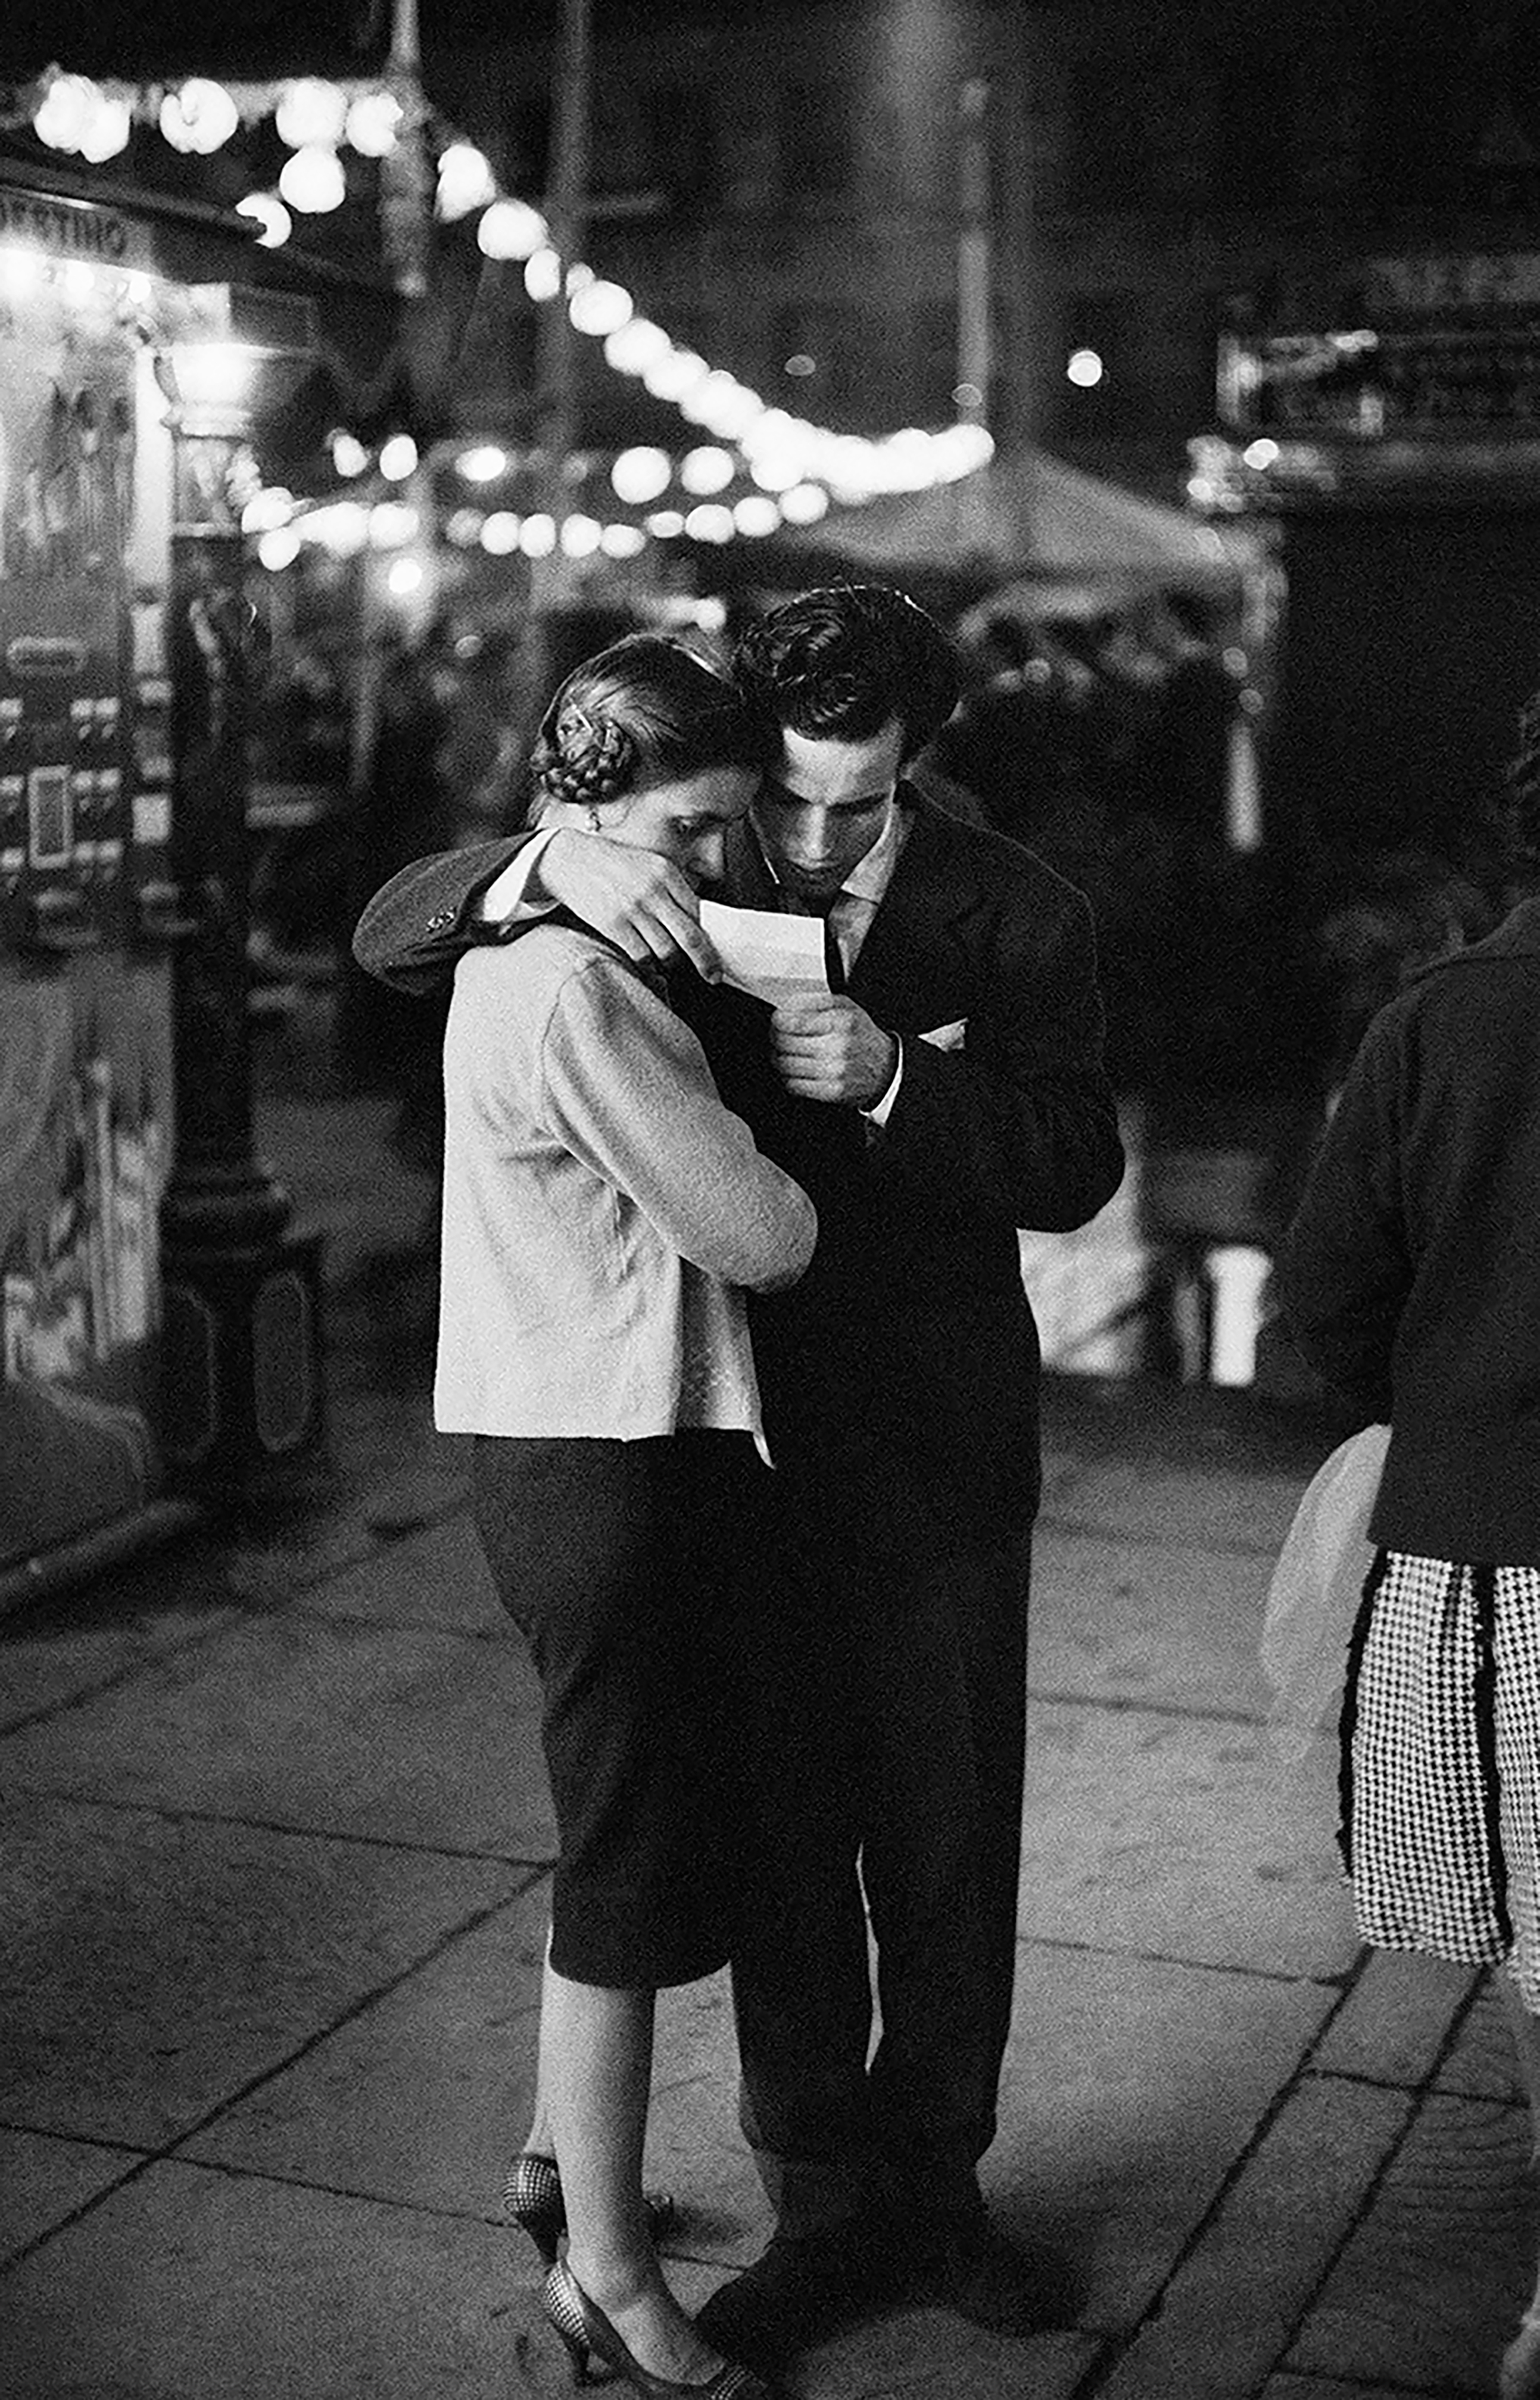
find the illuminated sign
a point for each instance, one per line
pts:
(71, 229)
(1426, 286)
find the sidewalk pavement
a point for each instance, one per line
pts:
(276, 1855)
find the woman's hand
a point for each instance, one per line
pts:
(641, 901)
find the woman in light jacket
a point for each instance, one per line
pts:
(603, 1213)
(1410, 1278)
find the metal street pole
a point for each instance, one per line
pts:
(974, 298)
(550, 578)
(975, 336)
(242, 1413)
(405, 201)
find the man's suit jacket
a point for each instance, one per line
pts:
(911, 1324)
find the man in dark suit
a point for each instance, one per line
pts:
(947, 1090)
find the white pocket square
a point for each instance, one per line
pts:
(947, 1037)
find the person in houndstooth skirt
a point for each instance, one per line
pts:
(1410, 1278)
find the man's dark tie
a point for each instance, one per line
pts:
(834, 965)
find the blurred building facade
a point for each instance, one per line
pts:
(1273, 260)
(783, 184)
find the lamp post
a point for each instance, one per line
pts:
(405, 176)
(550, 578)
(242, 1386)
(974, 293)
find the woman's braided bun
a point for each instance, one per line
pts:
(645, 710)
(589, 761)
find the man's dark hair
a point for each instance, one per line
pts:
(839, 663)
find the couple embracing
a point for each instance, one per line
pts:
(686, 1234)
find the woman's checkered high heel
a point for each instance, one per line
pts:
(586, 2334)
(532, 2200)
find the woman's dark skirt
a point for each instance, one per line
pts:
(617, 1560)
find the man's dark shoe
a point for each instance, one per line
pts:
(968, 2267)
(800, 2288)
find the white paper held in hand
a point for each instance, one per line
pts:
(771, 957)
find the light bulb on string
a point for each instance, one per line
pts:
(600, 307)
(392, 524)
(641, 474)
(483, 464)
(723, 405)
(312, 180)
(958, 449)
(267, 211)
(849, 466)
(908, 460)
(278, 549)
(542, 274)
(348, 455)
(538, 536)
(776, 428)
(107, 130)
(65, 111)
(622, 542)
(310, 110)
(397, 459)
(511, 229)
(373, 123)
(501, 533)
(777, 470)
(465, 182)
(710, 522)
(198, 117)
(962, 449)
(756, 515)
(581, 535)
(636, 346)
(706, 470)
(269, 509)
(342, 528)
(804, 504)
(672, 377)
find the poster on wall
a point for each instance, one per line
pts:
(85, 1081)
(84, 1038)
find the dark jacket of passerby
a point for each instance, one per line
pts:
(1410, 1275)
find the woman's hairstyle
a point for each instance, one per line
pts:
(840, 663)
(645, 709)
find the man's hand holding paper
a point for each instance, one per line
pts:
(831, 1050)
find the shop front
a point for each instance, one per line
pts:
(1384, 428)
(147, 1340)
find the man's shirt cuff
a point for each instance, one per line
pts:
(880, 1113)
(507, 900)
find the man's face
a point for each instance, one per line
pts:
(823, 807)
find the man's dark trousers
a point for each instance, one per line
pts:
(891, 1687)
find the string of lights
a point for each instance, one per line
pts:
(793, 469)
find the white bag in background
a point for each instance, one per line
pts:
(1317, 1586)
